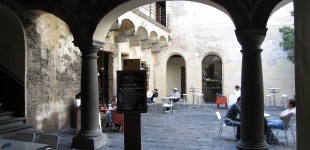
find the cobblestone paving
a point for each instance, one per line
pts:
(187, 129)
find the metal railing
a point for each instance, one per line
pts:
(156, 13)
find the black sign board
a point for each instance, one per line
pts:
(131, 91)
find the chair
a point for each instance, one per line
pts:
(291, 125)
(51, 140)
(220, 99)
(26, 137)
(184, 99)
(118, 118)
(166, 103)
(222, 124)
(267, 101)
(153, 104)
(283, 100)
(200, 100)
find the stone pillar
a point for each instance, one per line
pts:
(90, 136)
(302, 72)
(252, 93)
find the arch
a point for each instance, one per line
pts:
(106, 22)
(127, 27)
(142, 32)
(12, 61)
(211, 76)
(153, 38)
(281, 4)
(162, 41)
(176, 73)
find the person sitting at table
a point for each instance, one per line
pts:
(148, 95)
(176, 97)
(281, 124)
(151, 96)
(232, 114)
(109, 112)
(155, 94)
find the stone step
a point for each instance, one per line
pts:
(10, 125)
(6, 114)
(13, 121)
(9, 132)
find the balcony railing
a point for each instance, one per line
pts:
(154, 12)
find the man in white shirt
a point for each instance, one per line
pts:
(234, 96)
(281, 124)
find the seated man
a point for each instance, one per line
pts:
(176, 97)
(281, 124)
(155, 94)
(113, 108)
(232, 114)
(151, 96)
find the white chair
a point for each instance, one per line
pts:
(267, 101)
(291, 125)
(51, 140)
(200, 100)
(165, 103)
(26, 137)
(283, 100)
(153, 105)
(222, 124)
(182, 101)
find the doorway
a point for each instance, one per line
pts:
(176, 74)
(211, 77)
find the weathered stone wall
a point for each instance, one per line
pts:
(204, 30)
(53, 71)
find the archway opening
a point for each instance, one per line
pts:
(176, 77)
(211, 77)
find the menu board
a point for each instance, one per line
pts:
(131, 91)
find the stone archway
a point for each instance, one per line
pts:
(12, 63)
(176, 74)
(211, 77)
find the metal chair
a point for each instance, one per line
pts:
(51, 140)
(26, 137)
(267, 101)
(291, 125)
(283, 100)
(222, 124)
(166, 103)
(153, 105)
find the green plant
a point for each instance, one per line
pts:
(287, 43)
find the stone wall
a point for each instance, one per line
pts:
(53, 71)
(198, 32)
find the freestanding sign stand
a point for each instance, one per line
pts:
(131, 89)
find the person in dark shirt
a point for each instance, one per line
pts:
(155, 94)
(232, 114)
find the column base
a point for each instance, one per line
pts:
(241, 145)
(85, 142)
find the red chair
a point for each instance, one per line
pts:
(118, 118)
(220, 99)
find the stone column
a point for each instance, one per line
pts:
(252, 93)
(302, 72)
(90, 136)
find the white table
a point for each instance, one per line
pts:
(193, 90)
(274, 91)
(20, 145)
(170, 102)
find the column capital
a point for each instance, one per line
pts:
(251, 39)
(86, 45)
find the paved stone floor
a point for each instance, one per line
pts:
(187, 129)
